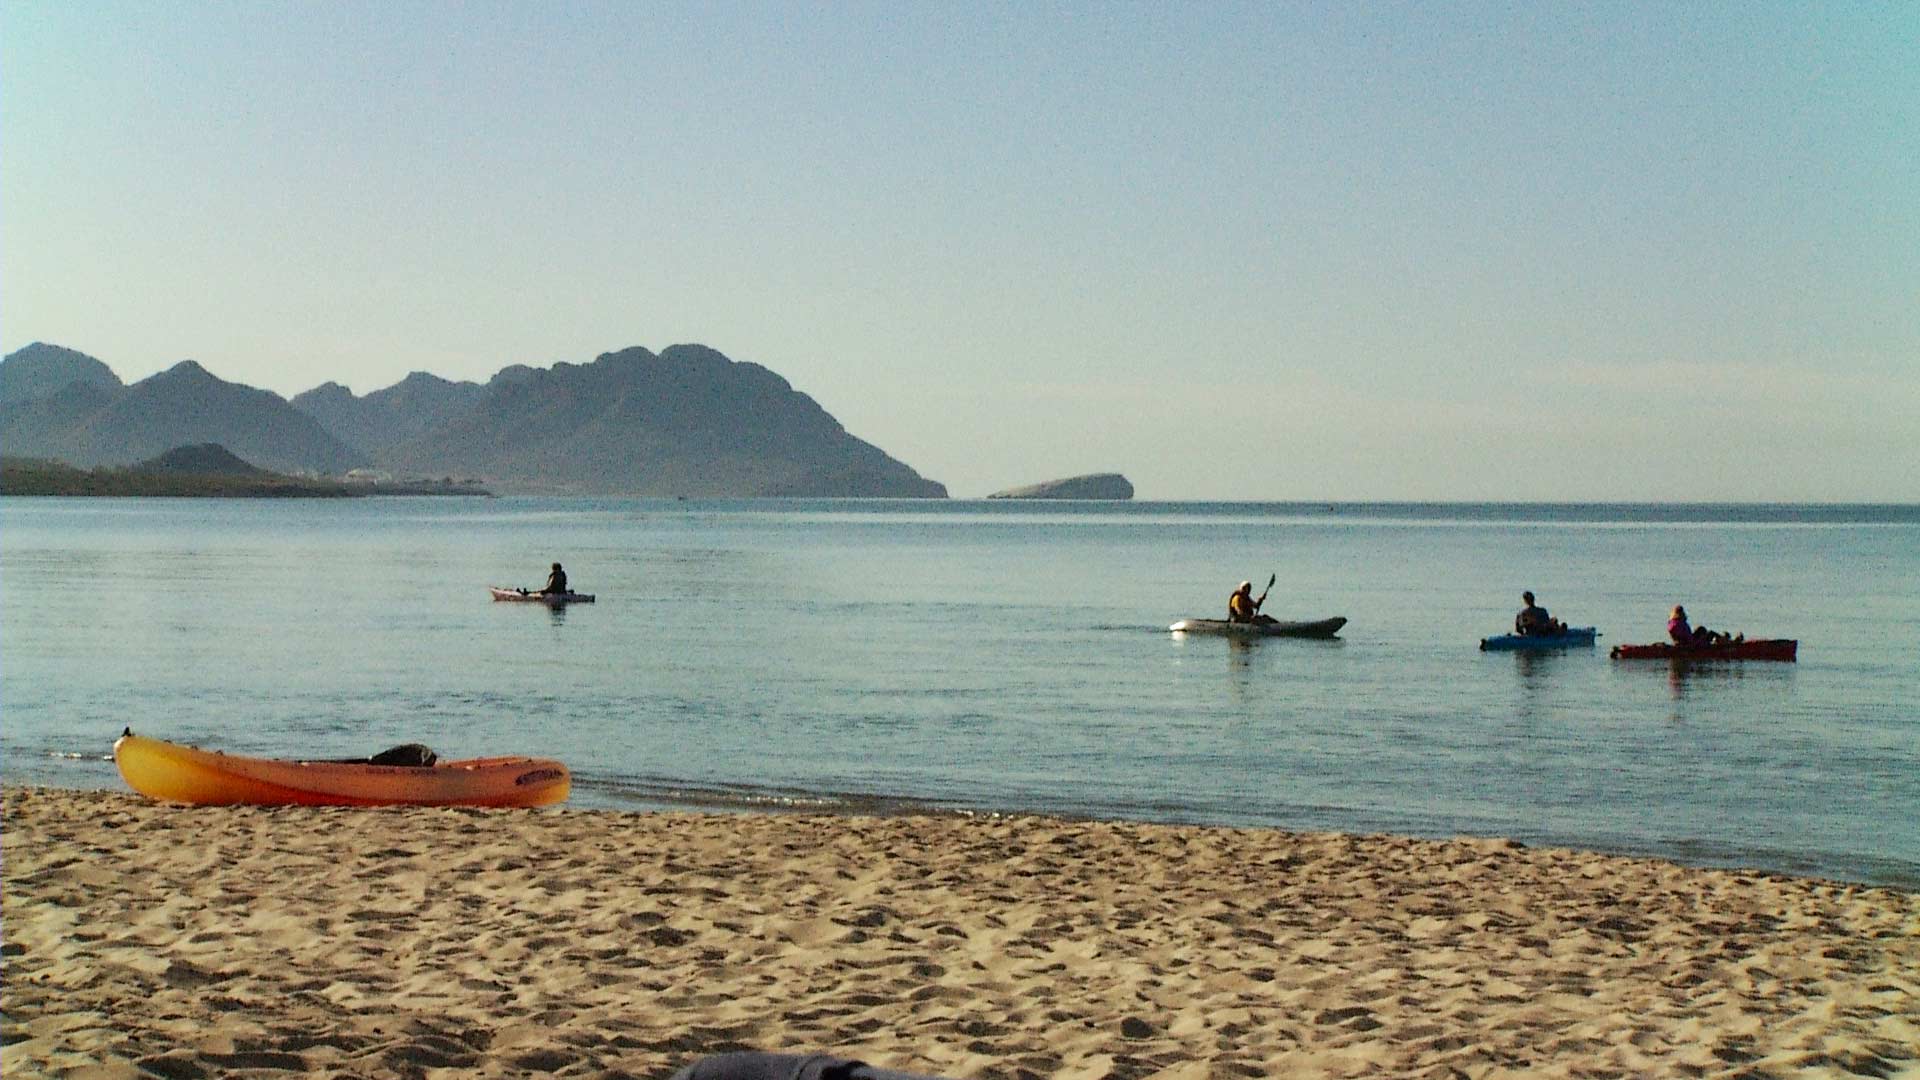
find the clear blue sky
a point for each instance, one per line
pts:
(1662, 251)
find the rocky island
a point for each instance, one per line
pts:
(1091, 486)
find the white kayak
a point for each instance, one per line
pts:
(549, 599)
(1323, 628)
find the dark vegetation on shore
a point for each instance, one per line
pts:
(206, 471)
(31, 476)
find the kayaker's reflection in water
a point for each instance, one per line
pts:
(1243, 608)
(556, 581)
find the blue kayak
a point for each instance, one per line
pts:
(1575, 637)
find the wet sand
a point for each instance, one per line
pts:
(149, 940)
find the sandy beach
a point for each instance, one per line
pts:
(150, 940)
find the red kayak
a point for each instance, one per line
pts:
(1758, 649)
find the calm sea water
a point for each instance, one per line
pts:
(1012, 656)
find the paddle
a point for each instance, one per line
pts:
(1271, 578)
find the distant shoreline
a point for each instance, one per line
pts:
(49, 478)
(34, 477)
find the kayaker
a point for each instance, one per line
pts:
(1692, 637)
(556, 582)
(1243, 608)
(1533, 620)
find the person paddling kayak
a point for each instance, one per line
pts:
(556, 582)
(1242, 607)
(1533, 620)
(1693, 637)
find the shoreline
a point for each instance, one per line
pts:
(589, 795)
(256, 941)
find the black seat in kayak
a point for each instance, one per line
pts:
(411, 755)
(755, 1065)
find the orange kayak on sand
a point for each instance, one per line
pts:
(163, 770)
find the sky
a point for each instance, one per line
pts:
(1264, 251)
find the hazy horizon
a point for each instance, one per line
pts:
(1544, 254)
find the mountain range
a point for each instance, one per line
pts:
(406, 410)
(686, 421)
(93, 419)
